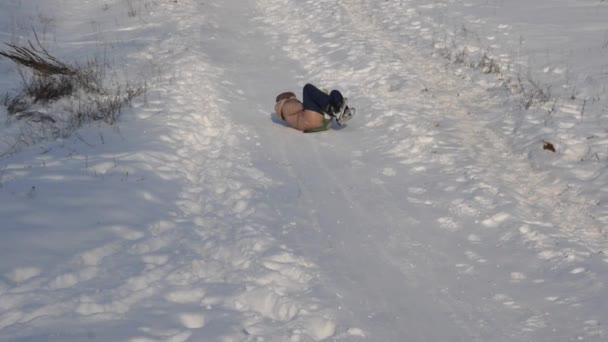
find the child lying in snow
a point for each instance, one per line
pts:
(315, 112)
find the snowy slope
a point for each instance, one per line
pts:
(434, 215)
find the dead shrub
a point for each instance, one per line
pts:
(83, 90)
(488, 65)
(47, 88)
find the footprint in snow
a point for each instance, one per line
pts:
(474, 238)
(517, 277)
(192, 320)
(389, 172)
(448, 224)
(23, 274)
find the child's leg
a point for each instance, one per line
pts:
(314, 99)
(336, 99)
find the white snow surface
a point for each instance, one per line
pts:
(434, 215)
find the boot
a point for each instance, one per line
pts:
(343, 112)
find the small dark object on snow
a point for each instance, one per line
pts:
(549, 146)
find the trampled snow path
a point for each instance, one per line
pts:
(415, 222)
(507, 251)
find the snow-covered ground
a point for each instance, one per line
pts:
(434, 215)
